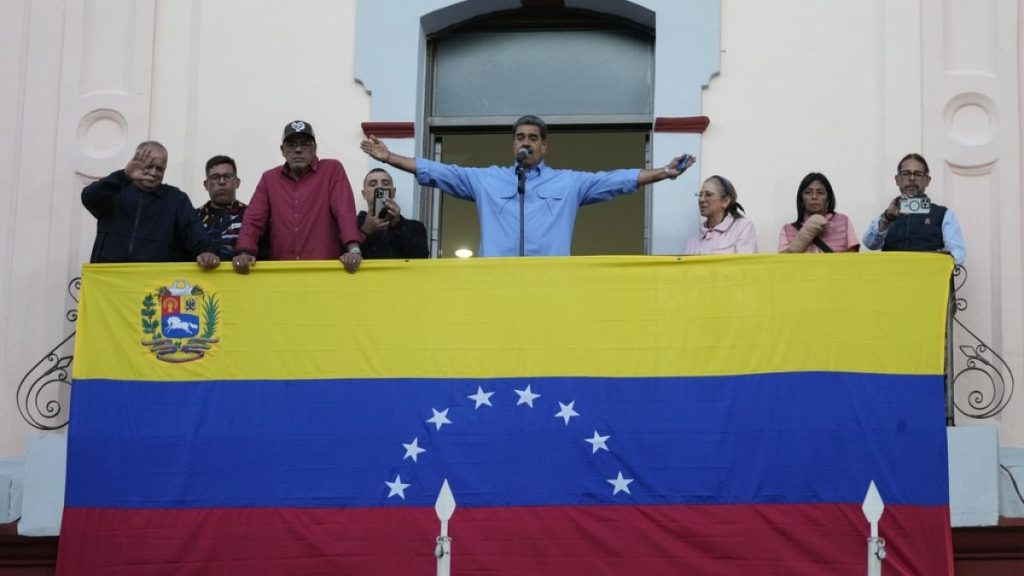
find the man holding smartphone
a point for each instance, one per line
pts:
(915, 226)
(550, 197)
(388, 233)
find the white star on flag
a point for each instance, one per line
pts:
(398, 488)
(567, 412)
(526, 396)
(481, 398)
(621, 484)
(598, 442)
(439, 418)
(413, 450)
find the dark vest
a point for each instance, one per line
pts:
(917, 232)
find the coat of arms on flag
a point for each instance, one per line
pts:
(179, 321)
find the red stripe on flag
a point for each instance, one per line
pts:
(651, 540)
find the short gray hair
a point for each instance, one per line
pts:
(530, 120)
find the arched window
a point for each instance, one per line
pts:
(588, 75)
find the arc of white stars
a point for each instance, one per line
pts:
(481, 398)
(413, 449)
(567, 411)
(598, 442)
(621, 484)
(439, 418)
(526, 396)
(397, 488)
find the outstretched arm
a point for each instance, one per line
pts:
(378, 150)
(672, 171)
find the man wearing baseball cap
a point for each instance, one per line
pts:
(306, 206)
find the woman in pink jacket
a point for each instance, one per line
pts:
(724, 229)
(818, 227)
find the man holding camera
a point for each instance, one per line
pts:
(388, 233)
(912, 222)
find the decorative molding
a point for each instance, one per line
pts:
(102, 133)
(682, 124)
(389, 129)
(970, 119)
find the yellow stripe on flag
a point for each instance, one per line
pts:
(508, 317)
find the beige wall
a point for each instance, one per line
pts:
(229, 74)
(801, 88)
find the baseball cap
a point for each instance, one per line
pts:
(298, 127)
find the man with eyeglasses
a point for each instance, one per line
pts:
(306, 206)
(911, 222)
(141, 219)
(222, 214)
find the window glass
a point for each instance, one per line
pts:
(579, 72)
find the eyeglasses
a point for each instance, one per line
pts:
(706, 195)
(296, 144)
(915, 173)
(220, 177)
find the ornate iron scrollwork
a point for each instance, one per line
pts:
(38, 401)
(983, 378)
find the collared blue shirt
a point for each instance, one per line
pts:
(952, 237)
(552, 198)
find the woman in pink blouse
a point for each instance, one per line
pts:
(724, 229)
(818, 227)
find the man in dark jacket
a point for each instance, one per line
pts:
(388, 233)
(141, 219)
(222, 215)
(911, 222)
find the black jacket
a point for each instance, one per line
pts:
(917, 232)
(133, 225)
(406, 240)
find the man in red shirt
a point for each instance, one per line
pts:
(306, 206)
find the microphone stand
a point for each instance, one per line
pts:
(521, 173)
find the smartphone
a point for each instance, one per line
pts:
(682, 162)
(380, 195)
(915, 205)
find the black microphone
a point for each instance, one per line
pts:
(522, 154)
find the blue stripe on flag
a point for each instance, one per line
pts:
(765, 438)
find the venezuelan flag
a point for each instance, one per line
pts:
(613, 415)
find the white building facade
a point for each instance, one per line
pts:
(761, 92)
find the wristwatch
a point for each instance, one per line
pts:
(354, 249)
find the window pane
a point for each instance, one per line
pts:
(556, 72)
(615, 227)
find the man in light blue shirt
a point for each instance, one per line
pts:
(923, 226)
(551, 198)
